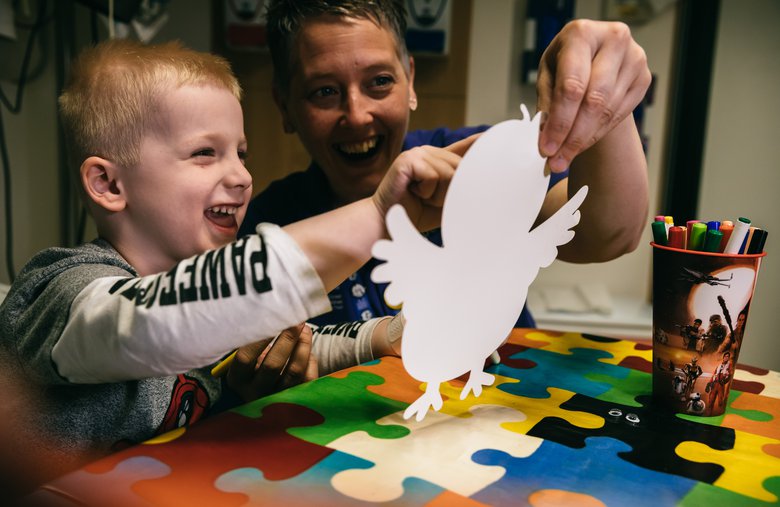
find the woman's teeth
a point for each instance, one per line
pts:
(358, 148)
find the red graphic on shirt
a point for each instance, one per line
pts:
(189, 402)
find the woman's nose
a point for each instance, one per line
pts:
(357, 109)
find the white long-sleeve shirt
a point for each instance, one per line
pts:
(111, 350)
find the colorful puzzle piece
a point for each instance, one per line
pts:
(437, 451)
(561, 498)
(754, 414)
(397, 385)
(716, 420)
(593, 470)
(637, 363)
(571, 372)
(707, 494)
(533, 338)
(757, 381)
(111, 487)
(450, 499)
(226, 443)
(535, 409)
(772, 450)
(743, 480)
(314, 485)
(624, 390)
(345, 404)
(652, 440)
(620, 349)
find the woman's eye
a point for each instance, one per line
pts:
(383, 81)
(325, 91)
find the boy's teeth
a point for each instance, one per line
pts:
(361, 147)
(225, 210)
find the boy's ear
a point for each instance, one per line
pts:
(281, 104)
(100, 179)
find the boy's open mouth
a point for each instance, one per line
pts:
(223, 216)
(360, 150)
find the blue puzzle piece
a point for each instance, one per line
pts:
(313, 487)
(572, 372)
(594, 470)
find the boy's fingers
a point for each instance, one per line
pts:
(433, 176)
(245, 362)
(278, 354)
(295, 373)
(313, 370)
(277, 357)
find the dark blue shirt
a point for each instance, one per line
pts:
(304, 194)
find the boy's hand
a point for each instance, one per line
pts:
(418, 179)
(591, 77)
(271, 365)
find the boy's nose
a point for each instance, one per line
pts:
(238, 176)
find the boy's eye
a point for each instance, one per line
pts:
(242, 155)
(205, 152)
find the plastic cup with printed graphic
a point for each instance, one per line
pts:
(700, 309)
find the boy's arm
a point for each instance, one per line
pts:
(338, 242)
(305, 352)
(122, 328)
(339, 346)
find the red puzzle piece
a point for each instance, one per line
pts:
(216, 446)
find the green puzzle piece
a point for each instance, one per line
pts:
(624, 390)
(345, 403)
(707, 494)
(753, 415)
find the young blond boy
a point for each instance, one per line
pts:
(118, 335)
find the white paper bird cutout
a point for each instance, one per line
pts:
(462, 299)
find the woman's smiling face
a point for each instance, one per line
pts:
(349, 101)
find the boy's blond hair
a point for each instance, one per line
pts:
(112, 96)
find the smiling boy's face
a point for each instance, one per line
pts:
(190, 189)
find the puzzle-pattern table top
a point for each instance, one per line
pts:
(568, 421)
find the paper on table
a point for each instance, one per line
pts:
(461, 300)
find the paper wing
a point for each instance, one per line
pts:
(557, 230)
(409, 257)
